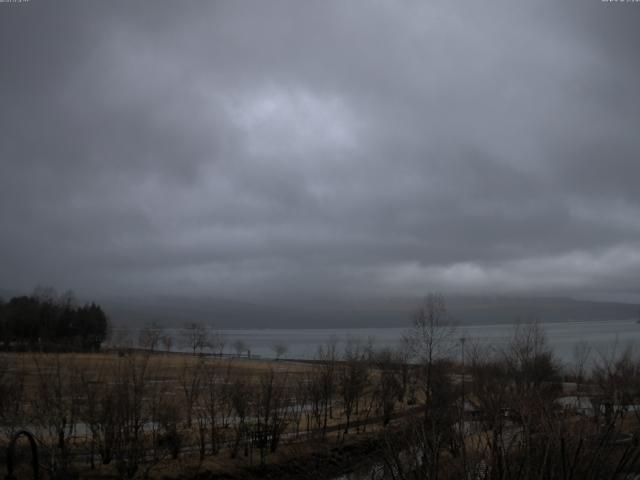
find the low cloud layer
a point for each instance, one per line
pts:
(320, 149)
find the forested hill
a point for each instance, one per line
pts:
(224, 313)
(390, 313)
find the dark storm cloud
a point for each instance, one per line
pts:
(347, 148)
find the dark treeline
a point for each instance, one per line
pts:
(47, 322)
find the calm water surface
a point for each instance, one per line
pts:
(602, 336)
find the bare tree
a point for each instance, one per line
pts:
(402, 357)
(328, 358)
(191, 385)
(271, 412)
(617, 374)
(68, 299)
(388, 385)
(149, 336)
(239, 346)
(214, 403)
(56, 405)
(314, 392)
(94, 393)
(130, 390)
(491, 387)
(121, 338)
(414, 449)
(530, 358)
(279, 349)
(431, 336)
(218, 341)
(164, 427)
(167, 342)
(196, 337)
(12, 390)
(300, 395)
(239, 399)
(353, 376)
(431, 339)
(533, 374)
(581, 356)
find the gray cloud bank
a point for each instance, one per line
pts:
(320, 149)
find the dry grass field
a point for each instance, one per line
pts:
(182, 413)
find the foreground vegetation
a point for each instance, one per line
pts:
(436, 407)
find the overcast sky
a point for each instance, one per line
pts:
(333, 149)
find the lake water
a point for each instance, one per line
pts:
(602, 336)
